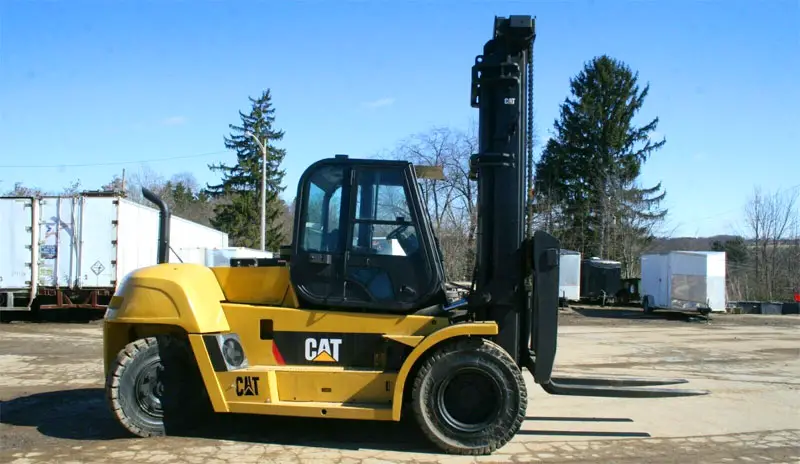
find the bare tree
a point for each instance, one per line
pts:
(181, 192)
(773, 224)
(451, 202)
(73, 188)
(116, 185)
(431, 149)
(144, 177)
(20, 190)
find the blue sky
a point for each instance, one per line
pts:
(107, 85)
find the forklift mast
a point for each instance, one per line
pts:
(516, 270)
(502, 91)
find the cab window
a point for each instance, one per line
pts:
(323, 211)
(382, 223)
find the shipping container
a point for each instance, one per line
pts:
(684, 281)
(569, 276)
(601, 279)
(71, 251)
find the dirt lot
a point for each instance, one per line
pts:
(53, 408)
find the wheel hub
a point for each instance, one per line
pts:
(149, 389)
(469, 399)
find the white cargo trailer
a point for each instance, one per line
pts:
(684, 281)
(569, 276)
(71, 251)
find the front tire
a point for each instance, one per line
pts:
(154, 387)
(469, 397)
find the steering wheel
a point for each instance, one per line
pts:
(409, 243)
(395, 234)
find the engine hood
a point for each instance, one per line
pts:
(268, 285)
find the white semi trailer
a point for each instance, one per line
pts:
(71, 251)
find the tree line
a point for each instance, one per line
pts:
(234, 204)
(587, 189)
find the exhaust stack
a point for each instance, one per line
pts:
(163, 226)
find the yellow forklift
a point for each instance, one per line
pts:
(353, 320)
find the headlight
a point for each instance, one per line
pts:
(227, 354)
(232, 352)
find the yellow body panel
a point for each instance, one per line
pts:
(245, 321)
(210, 379)
(410, 340)
(336, 386)
(196, 301)
(257, 285)
(184, 295)
(315, 409)
(161, 299)
(289, 384)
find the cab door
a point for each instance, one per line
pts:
(317, 266)
(388, 264)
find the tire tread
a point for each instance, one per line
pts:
(113, 383)
(178, 355)
(466, 345)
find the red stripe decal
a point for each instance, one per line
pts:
(277, 354)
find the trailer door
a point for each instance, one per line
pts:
(16, 243)
(715, 276)
(665, 281)
(98, 249)
(59, 241)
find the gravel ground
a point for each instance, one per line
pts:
(53, 409)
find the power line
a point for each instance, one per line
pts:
(110, 163)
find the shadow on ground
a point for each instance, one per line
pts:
(82, 414)
(580, 433)
(636, 313)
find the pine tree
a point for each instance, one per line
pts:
(588, 173)
(239, 215)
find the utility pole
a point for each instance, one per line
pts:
(263, 189)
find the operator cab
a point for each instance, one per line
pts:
(362, 239)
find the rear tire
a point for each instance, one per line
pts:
(646, 307)
(469, 397)
(154, 387)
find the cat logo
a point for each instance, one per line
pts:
(323, 350)
(247, 386)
